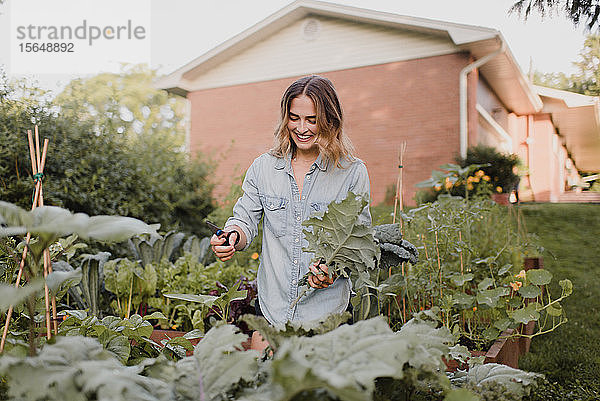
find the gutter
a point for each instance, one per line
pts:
(463, 95)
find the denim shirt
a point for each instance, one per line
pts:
(271, 193)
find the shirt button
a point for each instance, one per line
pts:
(295, 261)
(294, 281)
(304, 197)
(296, 240)
(298, 218)
(308, 177)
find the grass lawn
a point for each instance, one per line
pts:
(569, 356)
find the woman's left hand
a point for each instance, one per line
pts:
(320, 277)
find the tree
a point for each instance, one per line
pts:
(575, 10)
(585, 80)
(94, 170)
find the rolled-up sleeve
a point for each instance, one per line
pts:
(248, 210)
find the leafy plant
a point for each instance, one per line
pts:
(128, 339)
(188, 276)
(471, 268)
(220, 305)
(357, 362)
(49, 223)
(153, 249)
(337, 239)
(131, 282)
(499, 167)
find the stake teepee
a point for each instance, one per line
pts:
(37, 168)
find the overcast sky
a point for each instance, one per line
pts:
(181, 30)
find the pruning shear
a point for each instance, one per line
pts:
(220, 233)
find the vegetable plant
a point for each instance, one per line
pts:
(48, 224)
(471, 268)
(338, 239)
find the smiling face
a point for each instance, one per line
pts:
(302, 125)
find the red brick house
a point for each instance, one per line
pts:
(438, 86)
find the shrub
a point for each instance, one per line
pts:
(501, 168)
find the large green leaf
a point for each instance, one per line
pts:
(58, 222)
(516, 381)
(491, 297)
(526, 314)
(338, 238)
(346, 361)
(11, 295)
(78, 369)
(539, 276)
(530, 291)
(216, 365)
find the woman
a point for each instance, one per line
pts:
(311, 165)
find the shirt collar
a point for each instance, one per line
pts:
(285, 163)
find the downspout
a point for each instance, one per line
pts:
(463, 96)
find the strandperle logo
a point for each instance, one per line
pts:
(84, 31)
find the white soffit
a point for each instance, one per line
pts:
(577, 119)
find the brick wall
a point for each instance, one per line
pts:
(416, 101)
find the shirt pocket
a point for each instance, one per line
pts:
(275, 214)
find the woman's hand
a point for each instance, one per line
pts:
(320, 277)
(223, 252)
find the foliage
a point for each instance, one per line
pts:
(188, 276)
(78, 369)
(47, 223)
(128, 339)
(87, 293)
(217, 304)
(363, 361)
(471, 268)
(499, 167)
(575, 10)
(131, 282)
(276, 335)
(341, 242)
(153, 249)
(585, 80)
(100, 172)
(490, 379)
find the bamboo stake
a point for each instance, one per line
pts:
(34, 204)
(47, 259)
(41, 203)
(37, 166)
(398, 199)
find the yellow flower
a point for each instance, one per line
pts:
(470, 186)
(438, 187)
(448, 183)
(476, 179)
(174, 327)
(522, 274)
(479, 173)
(254, 256)
(499, 189)
(516, 285)
(470, 179)
(474, 309)
(485, 178)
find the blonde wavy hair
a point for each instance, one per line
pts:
(333, 145)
